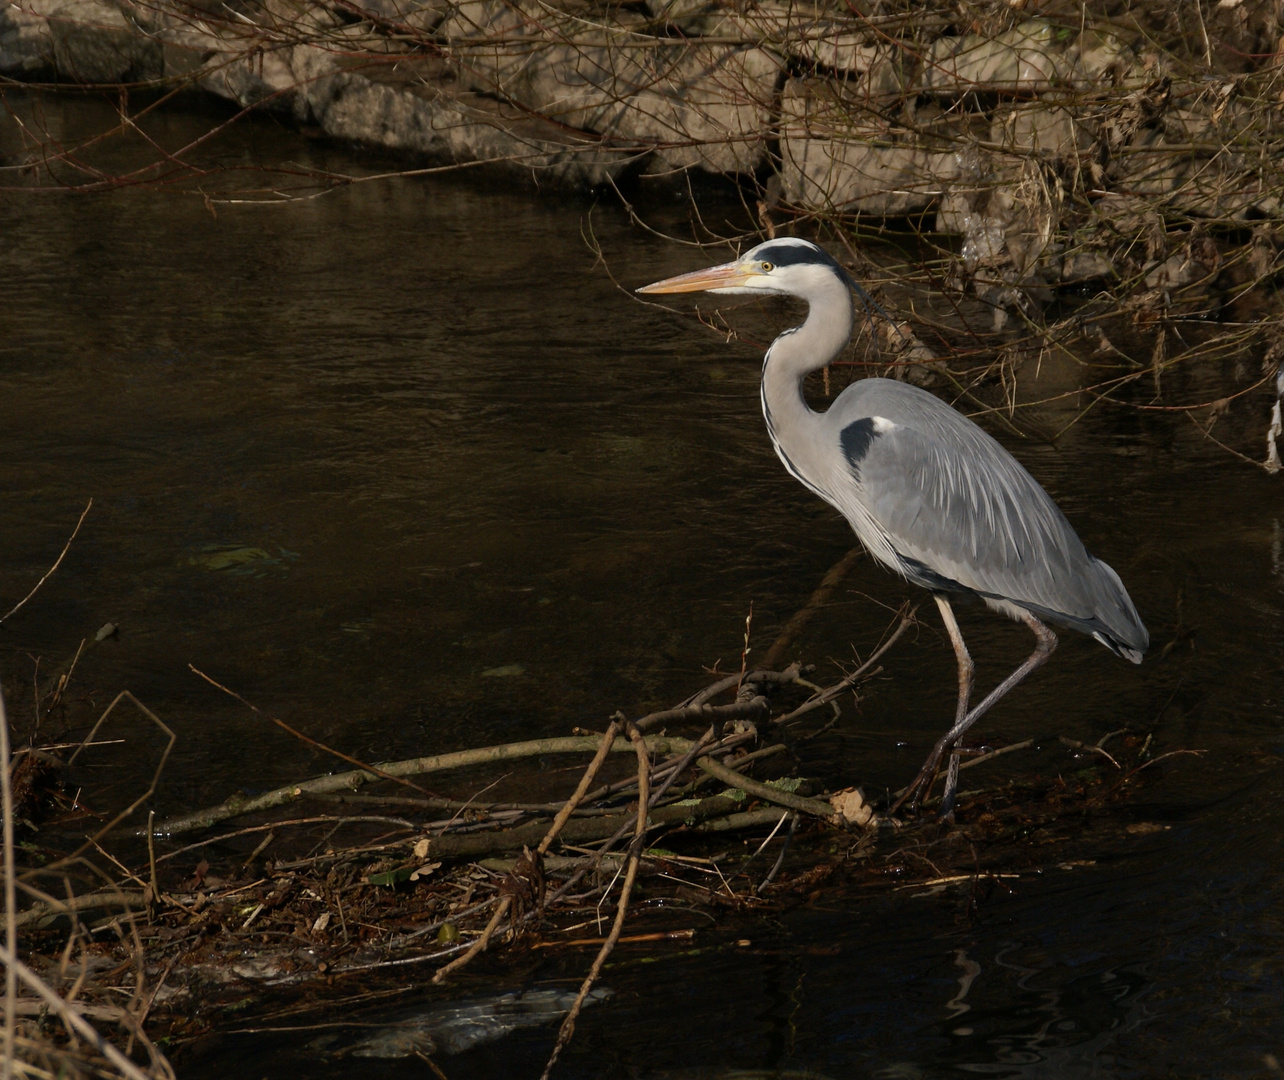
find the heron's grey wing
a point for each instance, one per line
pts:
(951, 501)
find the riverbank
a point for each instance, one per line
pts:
(830, 110)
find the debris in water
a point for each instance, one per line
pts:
(452, 1029)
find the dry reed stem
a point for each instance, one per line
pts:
(559, 822)
(10, 898)
(76, 1024)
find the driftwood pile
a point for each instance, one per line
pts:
(320, 887)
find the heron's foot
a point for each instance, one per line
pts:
(921, 785)
(951, 786)
(927, 777)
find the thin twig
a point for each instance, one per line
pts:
(505, 902)
(1075, 744)
(831, 692)
(308, 738)
(608, 739)
(784, 850)
(57, 562)
(991, 754)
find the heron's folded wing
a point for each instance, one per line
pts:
(960, 505)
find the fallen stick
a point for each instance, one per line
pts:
(576, 830)
(629, 939)
(95, 901)
(748, 819)
(501, 909)
(630, 876)
(768, 793)
(347, 781)
(531, 865)
(564, 814)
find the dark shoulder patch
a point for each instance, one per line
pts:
(856, 439)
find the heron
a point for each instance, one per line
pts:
(929, 494)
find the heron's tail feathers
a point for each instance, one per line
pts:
(1119, 628)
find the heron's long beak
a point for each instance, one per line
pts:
(727, 276)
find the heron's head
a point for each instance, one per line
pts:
(784, 267)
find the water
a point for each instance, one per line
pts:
(404, 467)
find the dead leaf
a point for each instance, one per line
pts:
(851, 806)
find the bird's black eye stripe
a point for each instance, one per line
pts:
(782, 253)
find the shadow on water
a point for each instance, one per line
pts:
(406, 468)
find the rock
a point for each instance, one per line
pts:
(1129, 215)
(423, 16)
(26, 42)
(688, 104)
(1037, 128)
(1076, 267)
(264, 78)
(1183, 282)
(420, 109)
(1194, 181)
(1100, 58)
(88, 41)
(1025, 59)
(709, 107)
(842, 45)
(677, 10)
(834, 158)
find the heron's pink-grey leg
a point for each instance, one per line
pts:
(1045, 643)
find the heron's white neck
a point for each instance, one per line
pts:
(792, 357)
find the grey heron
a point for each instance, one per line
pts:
(929, 494)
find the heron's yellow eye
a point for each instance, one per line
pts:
(767, 268)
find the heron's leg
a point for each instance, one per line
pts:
(1045, 642)
(966, 670)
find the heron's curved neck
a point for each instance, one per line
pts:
(792, 357)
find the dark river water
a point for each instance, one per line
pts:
(406, 468)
